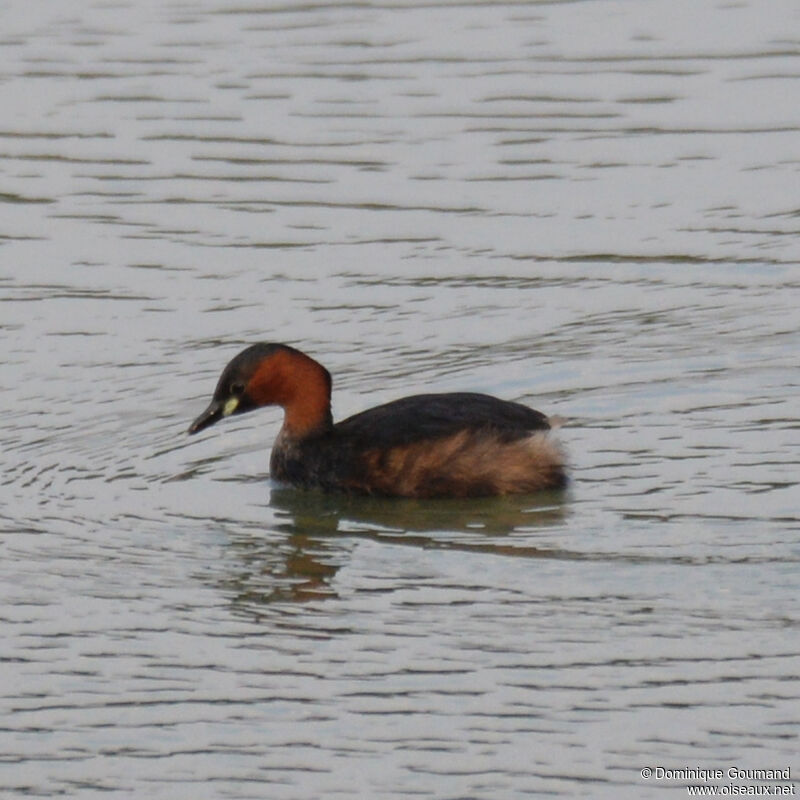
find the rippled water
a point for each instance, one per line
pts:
(590, 207)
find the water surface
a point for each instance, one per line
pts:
(590, 207)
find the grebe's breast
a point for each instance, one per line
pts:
(457, 444)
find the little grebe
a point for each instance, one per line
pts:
(429, 445)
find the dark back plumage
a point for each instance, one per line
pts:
(434, 416)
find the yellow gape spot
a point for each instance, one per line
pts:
(230, 406)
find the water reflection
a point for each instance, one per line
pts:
(316, 512)
(319, 531)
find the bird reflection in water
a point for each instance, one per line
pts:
(319, 530)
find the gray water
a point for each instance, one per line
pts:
(590, 207)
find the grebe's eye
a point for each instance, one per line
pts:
(237, 389)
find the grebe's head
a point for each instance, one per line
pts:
(262, 375)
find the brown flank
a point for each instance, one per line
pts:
(466, 464)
